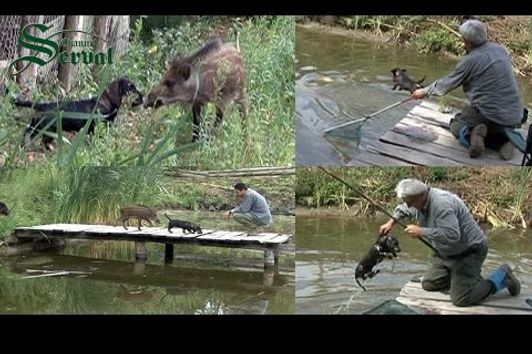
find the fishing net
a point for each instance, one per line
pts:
(392, 307)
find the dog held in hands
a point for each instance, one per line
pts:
(386, 246)
(401, 80)
(185, 225)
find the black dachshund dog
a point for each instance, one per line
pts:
(386, 246)
(3, 209)
(106, 105)
(401, 80)
(185, 225)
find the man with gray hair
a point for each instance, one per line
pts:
(461, 245)
(495, 105)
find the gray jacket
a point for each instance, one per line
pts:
(255, 204)
(445, 222)
(489, 83)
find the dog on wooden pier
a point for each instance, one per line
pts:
(185, 225)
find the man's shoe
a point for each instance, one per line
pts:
(478, 134)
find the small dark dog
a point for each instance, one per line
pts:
(401, 80)
(3, 209)
(107, 105)
(185, 225)
(386, 246)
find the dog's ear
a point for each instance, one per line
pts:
(113, 92)
(403, 70)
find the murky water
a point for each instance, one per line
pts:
(340, 78)
(107, 280)
(328, 249)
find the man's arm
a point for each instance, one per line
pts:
(402, 212)
(244, 206)
(447, 83)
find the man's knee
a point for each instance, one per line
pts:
(455, 126)
(434, 285)
(462, 300)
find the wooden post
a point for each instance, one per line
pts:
(168, 253)
(140, 250)
(269, 259)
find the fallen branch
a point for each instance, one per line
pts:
(44, 271)
(446, 27)
(46, 275)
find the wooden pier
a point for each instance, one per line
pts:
(423, 138)
(270, 243)
(435, 302)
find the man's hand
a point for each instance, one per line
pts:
(419, 94)
(385, 228)
(413, 231)
(226, 215)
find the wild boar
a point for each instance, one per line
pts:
(215, 73)
(139, 212)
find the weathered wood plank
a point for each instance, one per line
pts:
(405, 154)
(412, 294)
(499, 300)
(232, 236)
(440, 307)
(279, 239)
(446, 138)
(231, 239)
(430, 148)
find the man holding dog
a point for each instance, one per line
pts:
(253, 209)
(461, 245)
(495, 104)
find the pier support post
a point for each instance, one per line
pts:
(276, 258)
(269, 258)
(168, 253)
(140, 250)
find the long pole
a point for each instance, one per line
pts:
(369, 116)
(422, 239)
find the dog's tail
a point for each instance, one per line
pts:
(422, 79)
(167, 216)
(362, 286)
(22, 103)
(39, 106)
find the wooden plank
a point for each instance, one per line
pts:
(448, 308)
(366, 158)
(264, 237)
(214, 235)
(433, 149)
(499, 300)
(279, 239)
(233, 236)
(446, 138)
(412, 294)
(404, 154)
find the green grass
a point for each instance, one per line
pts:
(503, 191)
(162, 137)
